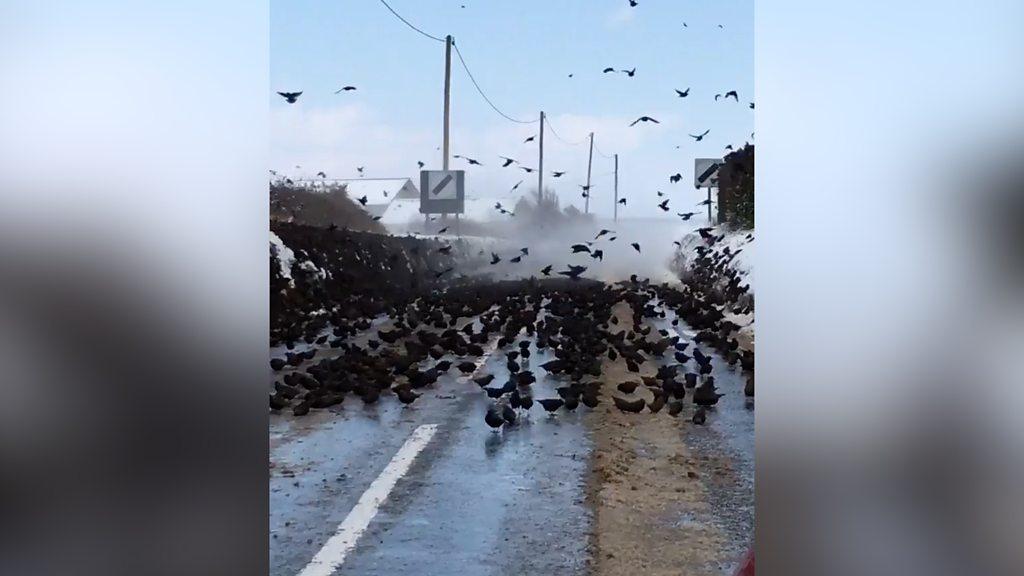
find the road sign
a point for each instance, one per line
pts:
(442, 191)
(705, 172)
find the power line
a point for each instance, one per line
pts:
(480, 90)
(564, 141)
(409, 24)
(602, 153)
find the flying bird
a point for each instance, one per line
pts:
(683, 93)
(530, 139)
(557, 174)
(630, 73)
(516, 260)
(577, 248)
(494, 258)
(751, 105)
(705, 203)
(607, 70)
(675, 178)
(686, 215)
(623, 201)
(546, 270)
(508, 161)
(700, 137)
(442, 230)
(664, 206)
(345, 89)
(636, 247)
(644, 119)
(321, 174)
(517, 185)
(602, 233)
(734, 95)
(633, 3)
(420, 164)
(528, 170)
(291, 97)
(471, 161)
(574, 272)
(363, 200)
(360, 169)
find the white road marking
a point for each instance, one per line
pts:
(332, 555)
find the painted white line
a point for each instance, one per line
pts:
(332, 555)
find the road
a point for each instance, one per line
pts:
(522, 500)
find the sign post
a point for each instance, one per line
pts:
(705, 175)
(442, 191)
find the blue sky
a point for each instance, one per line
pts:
(521, 53)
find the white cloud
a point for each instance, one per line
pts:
(621, 16)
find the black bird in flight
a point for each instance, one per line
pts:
(585, 187)
(718, 97)
(598, 255)
(360, 170)
(363, 200)
(660, 193)
(516, 260)
(345, 89)
(631, 73)
(609, 69)
(494, 258)
(577, 248)
(525, 251)
(675, 178)
(734, 95)
(517, 185)
(557, 174)
(574, 272)
(471, 161)
(530, 139)
(291, 97)
(644, 119)
(623, 201)
(508, 161)
(686, 215)
(636, 247)
(442, 230)
(751, 105)
(420, 164)
(664, 206)
(321, 174)
(528, 170)
(546, 270)
(633, 3)
(683, 93)
(602, 233)
(728, 146)
(699, 137)
(705, 203)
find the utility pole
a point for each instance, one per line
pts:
(616, 188)
(710, 221)
(447, 95)
(590, 162)
(540, 161)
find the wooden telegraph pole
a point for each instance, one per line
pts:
(616, 188)
(540, 161)
(590, 162)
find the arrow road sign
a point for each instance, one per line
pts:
(705, 172)
(440, 186)
(442, 191)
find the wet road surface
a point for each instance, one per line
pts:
(473, 501)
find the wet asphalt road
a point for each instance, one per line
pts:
(474, 501)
